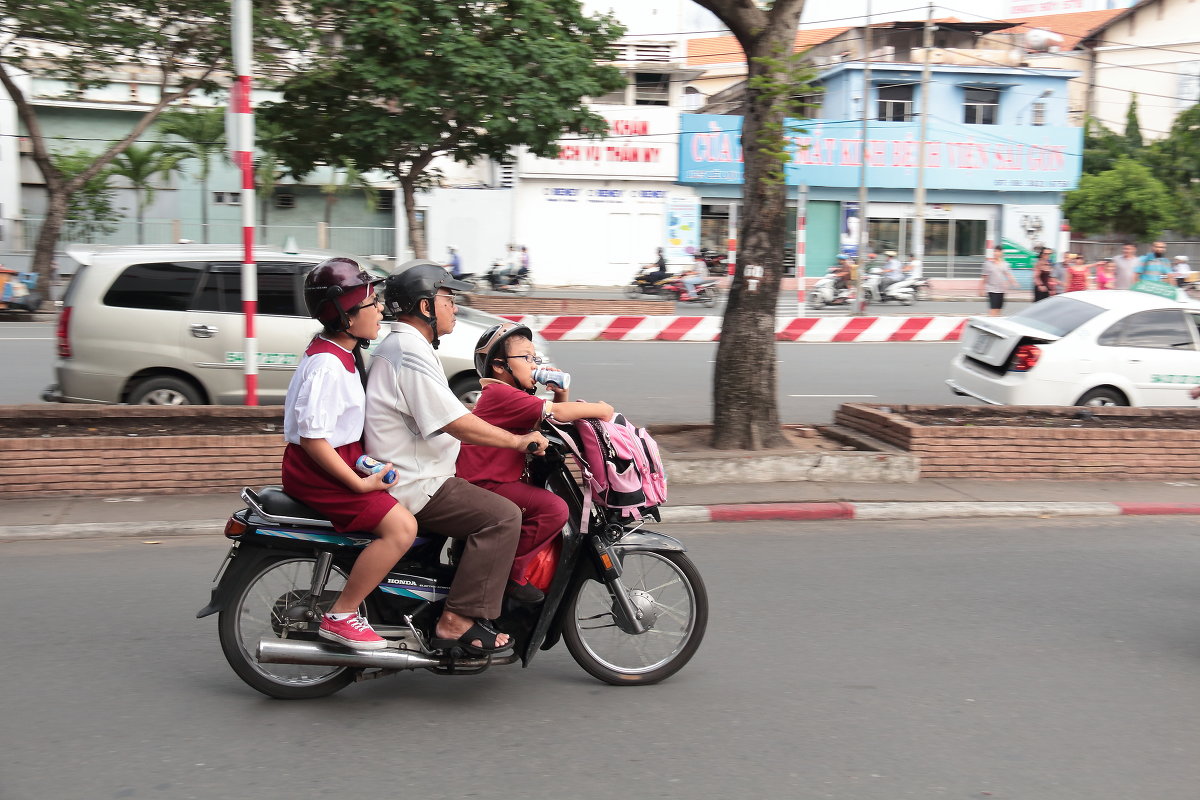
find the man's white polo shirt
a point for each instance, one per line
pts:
(408, 404)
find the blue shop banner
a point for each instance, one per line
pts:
(830, 153)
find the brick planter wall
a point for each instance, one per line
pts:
(1163, 452)
(148, 463)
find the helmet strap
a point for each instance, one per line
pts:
(431, 320)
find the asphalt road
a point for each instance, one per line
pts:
(1047, 659)
(652, 382)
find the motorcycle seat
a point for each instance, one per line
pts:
(277, 503)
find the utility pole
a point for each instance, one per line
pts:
(918, 234)
(243, 65)
(863, 233)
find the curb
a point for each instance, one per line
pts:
(613, 327)
(917, 510)
(741, 512)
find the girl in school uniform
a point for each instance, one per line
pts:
(323, 424)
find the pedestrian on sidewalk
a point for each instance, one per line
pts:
(1078, 273)
(996, 280)
(1155, 266)
(1043, 275)
(1106, 274)
(1126, 266)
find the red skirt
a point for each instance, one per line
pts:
(349, 511)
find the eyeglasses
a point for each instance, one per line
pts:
(530, 359)
(377, 302)
(450, 297)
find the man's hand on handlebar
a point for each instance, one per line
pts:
(533, 443)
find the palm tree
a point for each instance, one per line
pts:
(346, 178)
(203, 135)
(139, 164)
(267, 167)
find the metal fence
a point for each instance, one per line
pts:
(21, 235)
(1093, 250)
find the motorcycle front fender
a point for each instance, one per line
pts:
(649, 541)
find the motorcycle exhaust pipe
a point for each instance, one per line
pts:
(292, 651)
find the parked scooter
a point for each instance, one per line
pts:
(825, 292)
(877, 289)
(629, 604)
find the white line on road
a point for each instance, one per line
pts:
(833, 395)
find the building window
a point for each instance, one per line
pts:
(896, 103)
(980, 106)
(651, 89)
(227, 198)
(1038, 115)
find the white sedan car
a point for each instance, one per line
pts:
(1093, 348)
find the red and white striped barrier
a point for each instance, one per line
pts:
(606, 327)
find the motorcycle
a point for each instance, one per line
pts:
(877, 290)
(628, 603)
(922, 288)
(500, 279)
(825, 292)
(707, 291)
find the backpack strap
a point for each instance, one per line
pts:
(567, 437)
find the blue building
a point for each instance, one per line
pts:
(1000, 152)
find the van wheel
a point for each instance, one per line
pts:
(1103, 396)
(466, 388)
(164, 392)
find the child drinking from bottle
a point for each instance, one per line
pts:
(505, 359)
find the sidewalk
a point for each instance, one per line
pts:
(156, 516)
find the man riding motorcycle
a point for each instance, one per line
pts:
(415, 421)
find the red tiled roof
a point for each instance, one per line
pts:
(726, 50)
(1072, 27)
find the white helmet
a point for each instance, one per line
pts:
(1181, 258)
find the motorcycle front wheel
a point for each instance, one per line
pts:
(666, 587)
(258, 610)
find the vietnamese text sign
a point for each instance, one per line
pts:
(998, 157)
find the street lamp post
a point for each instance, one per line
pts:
(243, 153)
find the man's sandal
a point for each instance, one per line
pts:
(479, 630)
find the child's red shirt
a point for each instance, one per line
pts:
(513, 410)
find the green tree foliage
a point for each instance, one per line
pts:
(1126, 199)
(140, 165)
(1133, 131)
(1101, 147)
(344, 180)
(398, 83)
(82, 43)
(91, 207)
(202, 139)
(1175, 161)
(745, 402)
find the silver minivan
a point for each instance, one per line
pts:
(163, 325)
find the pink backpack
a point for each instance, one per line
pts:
(621, 465)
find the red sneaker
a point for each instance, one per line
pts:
(354, 632)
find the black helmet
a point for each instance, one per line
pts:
(415, 281)
(491, 344)
(333, 287)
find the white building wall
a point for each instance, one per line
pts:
(10, 169)
(1155, 53)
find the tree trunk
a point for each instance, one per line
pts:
(745, 385)
(141, 233)
(204, 206)
(43, 252)
(416, 235)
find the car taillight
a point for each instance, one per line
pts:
(63, 332)
(234, 528)
(1025, 358)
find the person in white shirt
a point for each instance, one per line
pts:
(416, 422)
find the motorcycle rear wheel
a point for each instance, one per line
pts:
(707, 297)
(668, 588)
(253, 613)
(523, 286)
(815, 301)
(633, 291)
(924, 291)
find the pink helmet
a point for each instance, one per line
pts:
(333, 288)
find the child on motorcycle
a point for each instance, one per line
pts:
(505, 359)
(323, 420)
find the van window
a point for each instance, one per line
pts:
(163, 286)
(278, 286)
